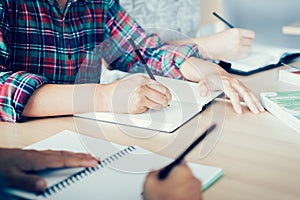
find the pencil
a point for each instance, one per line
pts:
(163, 174)
(223, 20)
(141, 59)
(292, 66)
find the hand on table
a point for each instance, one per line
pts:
(212, 77)
(16, 163)
(236, 91)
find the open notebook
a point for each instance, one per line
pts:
(262, 57)
(186, 103)
(120, 175)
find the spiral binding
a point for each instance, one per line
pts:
(83, 173)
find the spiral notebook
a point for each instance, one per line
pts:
(186, 103)
(120, 175)
(263, 57)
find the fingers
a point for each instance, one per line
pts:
(58, 159)
(233, 96)
(236, 90)
(150, 104)
(182, 170)
(247, 33)
(150, 95)
(249, 98)
(246, 39)
(246, 42)
(203, 88)
(20, 180)
(40, 160)
(180, 184)
(160, 88)
(257, 103)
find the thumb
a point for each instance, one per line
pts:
(21, 180)
(203, 88)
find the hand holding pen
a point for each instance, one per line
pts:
(231, 44)
(154, 85)
(180, 185)
(163, 174)
(176, 180)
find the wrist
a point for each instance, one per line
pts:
(204, 47)
(195, 69)
(103, 97)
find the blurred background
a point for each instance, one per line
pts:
(265, 17)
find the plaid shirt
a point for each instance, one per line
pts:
(42, 44)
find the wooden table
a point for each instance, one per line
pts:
(259, 154)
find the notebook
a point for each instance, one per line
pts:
(263, 57)
(291, 76)
(285, 106)
(120, 175)
(186, 103)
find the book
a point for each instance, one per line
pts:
(291, 76)
(262, 57)
(285, 106)
(120, 174)
(186, 103)
(292, 29)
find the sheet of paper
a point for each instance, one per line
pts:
(122, 178)
(261, 56)
(186, 103)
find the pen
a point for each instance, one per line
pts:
(223, 20)
(229, 101)
(292, 66)
(142, 60)
(163, 174)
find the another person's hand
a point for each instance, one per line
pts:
(180, 185)
(213, 77)
(231, 44)
(16, 164)
(137, 93)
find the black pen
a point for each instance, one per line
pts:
(223, 20)
(163, 174)
(142, 60)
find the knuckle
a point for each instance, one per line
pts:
(235, 32)
(141, 79)
(234, 94)
(30, 154)
(63, 154)
(139, 100)
(235, 81)
(226, 81)
(141, 90)
(244, 91)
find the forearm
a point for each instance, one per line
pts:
(195, 69)
(201, 42)
(57, 100)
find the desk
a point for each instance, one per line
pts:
(259, 154)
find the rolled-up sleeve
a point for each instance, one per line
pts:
(15, 87)
(163, 59)
(15, 91)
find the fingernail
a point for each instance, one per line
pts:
(92, 163)
(203, 94)
(40, 184)
(238, 109)
(261, 109)
(254, 109)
